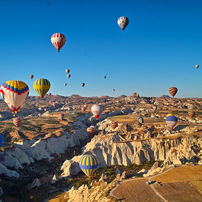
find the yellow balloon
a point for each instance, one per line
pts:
(41, 86)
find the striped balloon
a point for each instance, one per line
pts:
(1, 141)
(41, 86)
(58, 40)
(140, 120)
(171, 121)
(114, 125)
(191, 114)
(17, 121)
(90, 130)
(88, 164)
(173, 91)
(14, 93)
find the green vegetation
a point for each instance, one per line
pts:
(110, 171)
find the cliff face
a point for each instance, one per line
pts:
(28, 151)
(109, 148)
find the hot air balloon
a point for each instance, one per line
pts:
(67, 71)
(1, 141)
(140, 120)
(171, 121)
(155, 107)
(61, 116)
(49, 94)
(88, 164)
(90, 130)
(83, 84)
(114, 125)
(54, 104)
(58, 40)
(65, 84)
(173, 91)
(86, 106)
(83, 109)
(96, 110)
(105, 77)
(191, 113)
(31, 76)
(41, 86)
(68, 75)
(14, 94)
(113, 90)
(197, 66)
(17, 121)
(123, 22)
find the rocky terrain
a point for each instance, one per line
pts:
(44, 151)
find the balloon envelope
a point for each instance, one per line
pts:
(14, 94)
(90, 130)
(88, 164)
(123, 22)
(65, 84)
(171, 121)
(41, 86)
(191, 113)
(197, 66)
(68, 75)
(140, 120)
(114, 124)
(1, 141)
(58, 40)
(96, 110)
(173, 91)
(31, 76)
(17, 121)
(83, 84)
(105, 77)
(67, 71)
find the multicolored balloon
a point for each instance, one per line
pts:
(41, 86)
(17, 121)
(114, 125)
(1, 141)
(197, 66)
(90, 130)
(58, 40)
(88, 164)
(140, 120)
(171, 121)
(31, 76)
(68, 75)
(96, 110)
(173, 91)
(191, 113)
(123, 22)
(67, 71)
(14, 93)
(65, 84)
(83, 84)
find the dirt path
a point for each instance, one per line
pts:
(124, 190)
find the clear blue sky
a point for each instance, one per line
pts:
(159, 48)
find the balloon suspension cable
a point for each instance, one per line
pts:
(58, 51)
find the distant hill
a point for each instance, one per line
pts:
(105, 96)
(121, 96)
(165, 96)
